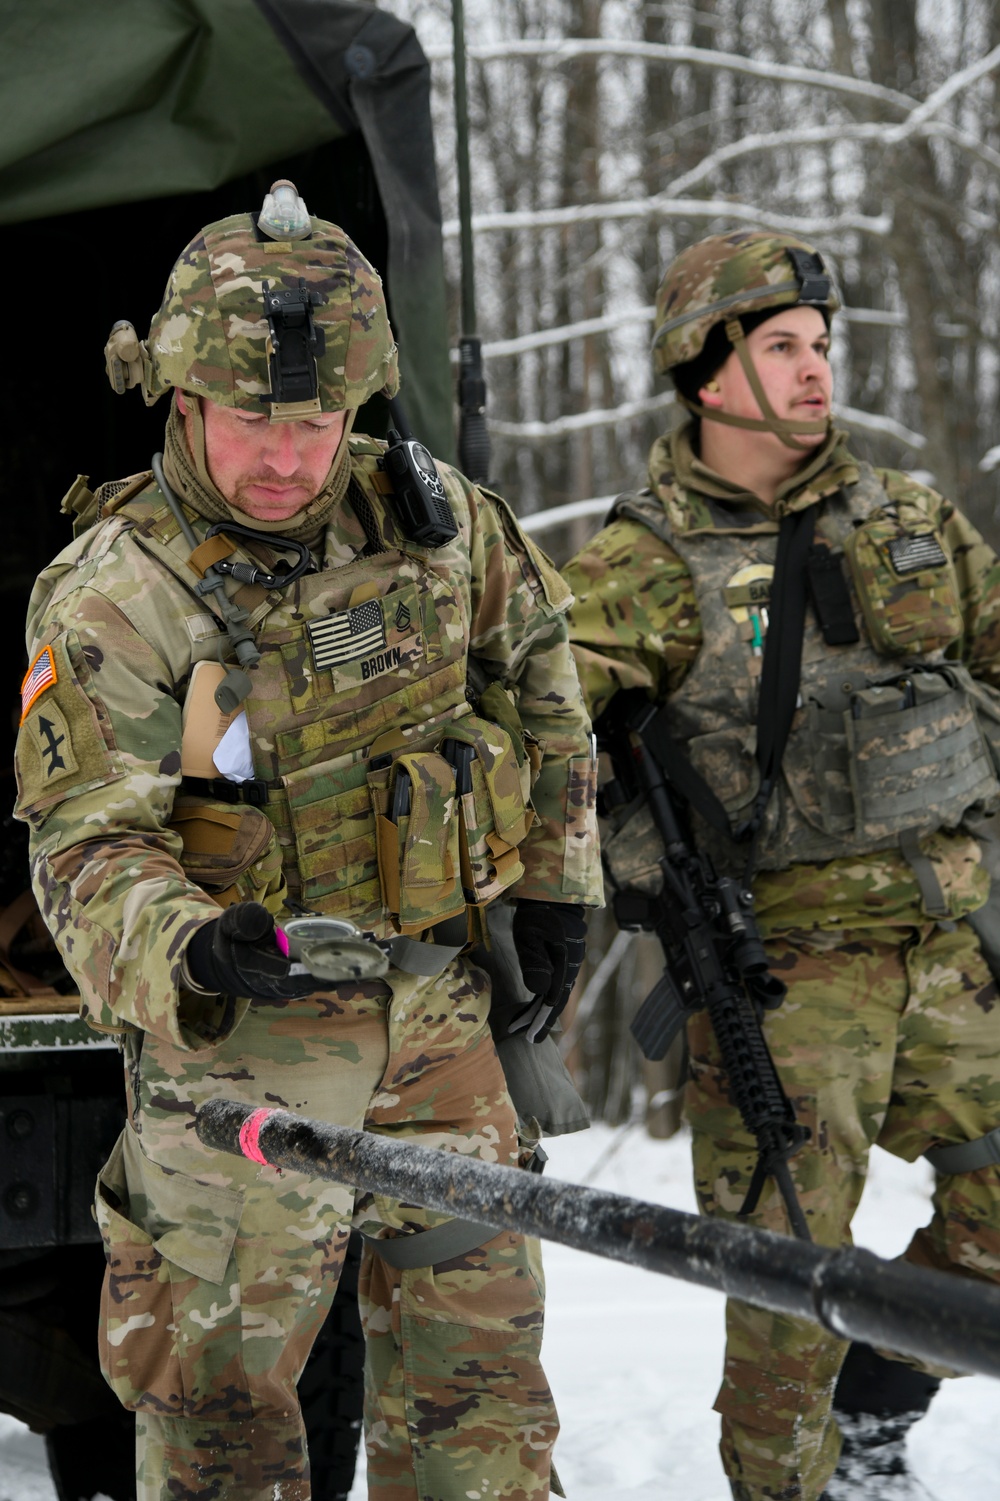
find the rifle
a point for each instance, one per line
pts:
(715, 959)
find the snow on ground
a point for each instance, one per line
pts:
(634, 1358)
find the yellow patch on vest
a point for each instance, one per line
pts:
(749, 586)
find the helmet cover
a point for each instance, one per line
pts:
(723, 276)
(211, 337)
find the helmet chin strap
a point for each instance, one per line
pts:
(782, 427)
(196, 442)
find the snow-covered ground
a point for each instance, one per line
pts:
(634, 1358)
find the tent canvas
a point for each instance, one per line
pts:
(106, 104)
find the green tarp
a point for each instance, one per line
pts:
(110, 100)
(106, 102)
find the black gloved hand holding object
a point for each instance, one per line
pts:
(239, 954)
(550, 940)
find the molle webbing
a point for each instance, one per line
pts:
(363, 509)
(877, 755)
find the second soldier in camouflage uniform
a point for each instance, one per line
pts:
(866, 865)
(220, 1271)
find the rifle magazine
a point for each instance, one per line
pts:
(659, 1019)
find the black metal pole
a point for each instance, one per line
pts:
(473, 434)
(949, 1320)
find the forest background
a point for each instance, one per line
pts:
(605, 135)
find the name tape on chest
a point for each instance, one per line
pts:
(912, 554)
(348, 635)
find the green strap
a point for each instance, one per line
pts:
(967, 1156)
(414, 957)
(935, 904)
(428, 1247)
(769, 421)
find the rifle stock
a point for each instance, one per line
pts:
(715, 961)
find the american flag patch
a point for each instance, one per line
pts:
(912, 554)
(348, 635)
(39, 676)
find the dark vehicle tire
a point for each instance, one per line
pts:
(331, 1389)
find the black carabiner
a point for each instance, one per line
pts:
(252, 573)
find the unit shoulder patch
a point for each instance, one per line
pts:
(62, 744)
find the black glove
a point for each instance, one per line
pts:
(550, 939)
(238, 954)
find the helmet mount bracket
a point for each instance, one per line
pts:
(295, 344)
(814, 280)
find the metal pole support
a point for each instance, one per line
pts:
(948, 1320)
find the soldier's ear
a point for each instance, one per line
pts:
(710, 395)
(181, 401)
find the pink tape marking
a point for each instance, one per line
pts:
(281, 939)
(250, 1136)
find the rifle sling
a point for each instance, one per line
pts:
(782, 665)
(682, 775)
(779, 691)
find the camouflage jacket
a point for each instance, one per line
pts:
(639, 621)
(115, 628)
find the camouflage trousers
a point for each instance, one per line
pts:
(887, 1037)
(220, 1273)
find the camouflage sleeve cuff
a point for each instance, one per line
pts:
(561, 854)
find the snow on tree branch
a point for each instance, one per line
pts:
(871, 422)
(547, 338)
(701, 57)
(577, 510)
(956, 84)
(560, 427)
(565, 334)
(530, 432)
(663, 207)
(753, 145)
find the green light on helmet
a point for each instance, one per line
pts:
(284, 216)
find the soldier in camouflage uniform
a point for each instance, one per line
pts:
(864, 865)
(220, 1270)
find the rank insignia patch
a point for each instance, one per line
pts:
(402, 617)
(39, 676)
(348, 635)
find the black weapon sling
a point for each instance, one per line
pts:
(782, 666)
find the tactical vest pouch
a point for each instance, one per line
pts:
(231, 852)
(493, 816)
(918, 759)
(331, 816)
(418, 851)
(495, 704)
(906, 584)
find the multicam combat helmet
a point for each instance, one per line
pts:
(288, 326)
(718, 280)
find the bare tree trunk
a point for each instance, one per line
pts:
(910, 173)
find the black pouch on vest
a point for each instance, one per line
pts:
(831, 597)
